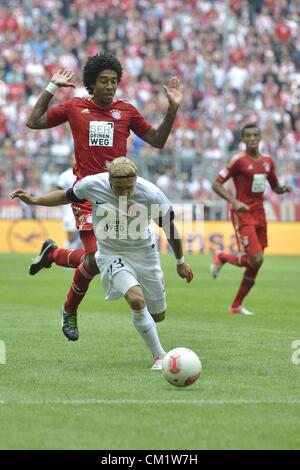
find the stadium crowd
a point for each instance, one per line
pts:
(156, 39)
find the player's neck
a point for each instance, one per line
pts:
(102, 104)
(253, 154)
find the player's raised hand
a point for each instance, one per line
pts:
(174, 91)
(23, 195)
(184, 270)
(286, 189)
(63, 78)
(240, 206)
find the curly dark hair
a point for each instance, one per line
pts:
(95, 64)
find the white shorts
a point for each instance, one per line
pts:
(137, 268)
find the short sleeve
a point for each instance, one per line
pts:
(162, 201)
(228, 171)
(59, 114)
(138, 124)
(80, 189)
(161, 210)
(72, 196)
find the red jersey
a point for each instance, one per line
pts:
(100, 133)
(249, 177)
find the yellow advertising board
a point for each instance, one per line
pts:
(26, 236)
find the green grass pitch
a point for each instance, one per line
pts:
(99, 392)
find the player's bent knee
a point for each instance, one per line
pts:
(137, 303)
(135, 298)
(257, 260)
(158, 317)
(90, 262)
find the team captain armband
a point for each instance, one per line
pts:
(222, 176)
(224, 172)
(72, 196)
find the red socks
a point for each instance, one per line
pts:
(67, 258)
(247, 283)
(79, 287)
(237, 260)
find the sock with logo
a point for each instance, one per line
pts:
(64, 257)
(146, 327)
(80, 284)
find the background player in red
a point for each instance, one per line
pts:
(249, 171)
(100, 126)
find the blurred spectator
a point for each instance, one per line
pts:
(155, 40)
(49, 178)
(166, 182)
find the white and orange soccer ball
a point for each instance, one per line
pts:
(181, 367)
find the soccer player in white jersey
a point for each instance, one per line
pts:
(123, 205)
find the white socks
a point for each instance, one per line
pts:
(146, 327)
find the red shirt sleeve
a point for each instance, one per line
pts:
(272, 178)
(138, 124)
(59, 114)
(228, 171)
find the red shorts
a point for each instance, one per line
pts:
(250, 231)
(83, 219)
(83, 215)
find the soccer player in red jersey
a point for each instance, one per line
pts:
(100, 126)
(249, 171)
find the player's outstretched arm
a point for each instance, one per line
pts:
(53, 198)
(184, 270)
(158, 137)
(38, 116)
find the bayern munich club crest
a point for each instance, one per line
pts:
(245, 241)
(267, 167)
(116, 114)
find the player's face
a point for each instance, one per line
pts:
(251, 138)
(123, 186)
(105, 87)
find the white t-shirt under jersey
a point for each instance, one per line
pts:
(121, 224)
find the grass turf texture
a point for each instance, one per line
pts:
(100, 393)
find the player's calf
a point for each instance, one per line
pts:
(90, 262)
(256, 260)
(158, 317)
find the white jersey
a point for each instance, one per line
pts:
(122, 224)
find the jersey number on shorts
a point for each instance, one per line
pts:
(116, 264)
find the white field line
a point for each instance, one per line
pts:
(150, 402)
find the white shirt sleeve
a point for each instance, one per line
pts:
(160, 206)
(80, 189)
(163, 202)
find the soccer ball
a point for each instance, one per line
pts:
(181, 367)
